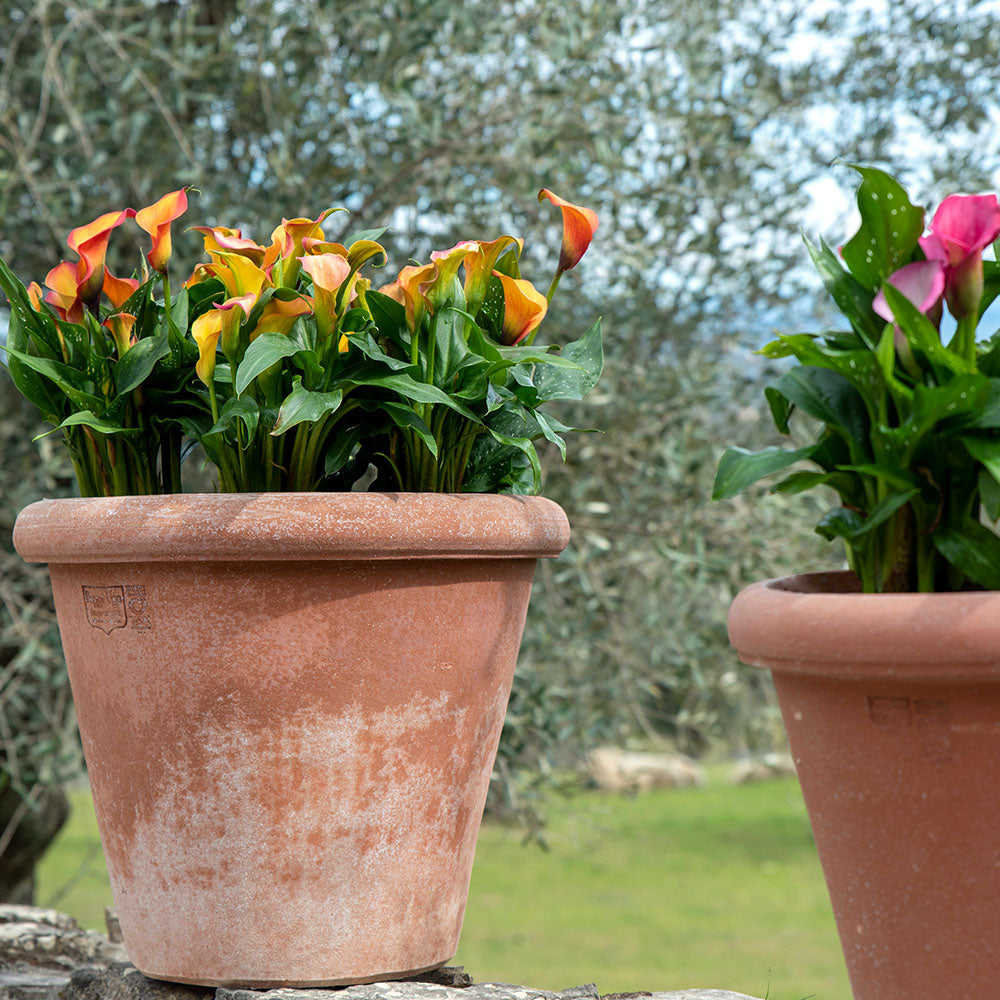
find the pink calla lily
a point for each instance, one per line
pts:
(962, 227)
(922, 282)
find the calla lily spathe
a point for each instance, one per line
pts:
(328, 271)
(579, 226)
(156, 219)
(524, 308)
(962, 227)
(90, 242)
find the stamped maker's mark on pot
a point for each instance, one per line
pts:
(109, 608)
(928, 715)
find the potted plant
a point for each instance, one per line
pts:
(888, 675)
(290, 693)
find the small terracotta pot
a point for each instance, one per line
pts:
(290, 706)
(892, 706)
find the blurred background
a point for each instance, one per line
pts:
(706, 137)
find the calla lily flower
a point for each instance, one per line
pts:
(579, 226)
(239, 274)
(406, 291)
(288, 239)
(328, 271)
(35, 296)
(120, 325)
(206, 330)
(479, 266)
(230, 241)
(63, 291)
(232, 310)
(524, 308)
(155, 219)
(90, 242)
(118, 290)
(962, 227)
(437, 288)
(922, 282)
(279, 316)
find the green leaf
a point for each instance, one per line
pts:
(410, 388)
(405, 417)
(260, 355)
(365, 234)
(450, 349)
(986, 451)
(29, 383)
(827, 396)
(989, 493)
(889, 231)
(973, 550)
(139, 360)
(238, 409)
(303, 406)
(850, 296)
(799, 482)
(923, 336)
(88, 419)
(563, 383)
(840, 522)
(73, 383)
(961, 397)
(739, 468)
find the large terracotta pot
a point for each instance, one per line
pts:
(290, 706)
(892, 706)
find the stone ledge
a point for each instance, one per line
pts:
(44, 955)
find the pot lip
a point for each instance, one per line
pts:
(821, 623)
(211, 527)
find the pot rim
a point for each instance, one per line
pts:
(210, 527)
(821, 623)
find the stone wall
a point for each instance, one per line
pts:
(44, 955)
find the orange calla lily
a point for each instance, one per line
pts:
(230, 241)
(328, 272)
(279, 316)
(206, 330)
(63, 288)
(35, 296)
(406, 291)
(120, 325)
(289, 237)
(118, 290)
(155, 219)
(90, 242)
(579, 226)
(524, 308)
(479, 265)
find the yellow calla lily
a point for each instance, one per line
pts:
(206, 330)
(279, 316)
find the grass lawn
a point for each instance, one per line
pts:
(715, 887)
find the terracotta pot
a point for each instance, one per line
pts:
(892, 706)
(290, 706)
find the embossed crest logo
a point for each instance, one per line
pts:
(105, 607)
